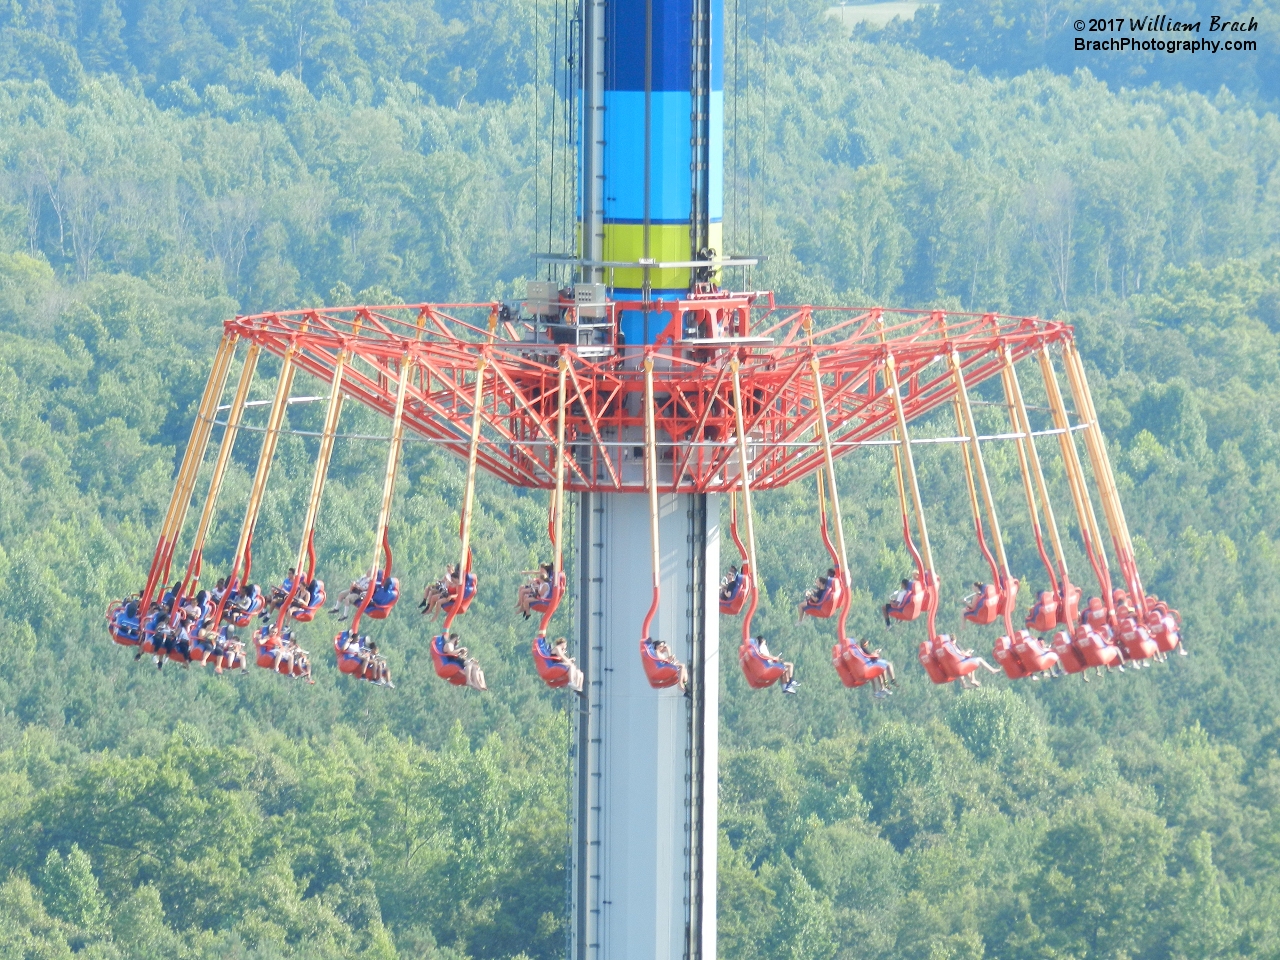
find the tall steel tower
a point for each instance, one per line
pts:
(652, 162)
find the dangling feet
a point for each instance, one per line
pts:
(790, 686)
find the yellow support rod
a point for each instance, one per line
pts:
(469, 490)
(193, 457)
(968, 466)
(234, 416)
(560, 468)
(328, 437)
(1031, 457)
(980, 467)
(393, 463)
(269, 440)
(1088, 521)
(908, 462)
(743, 468)
(1098, 456)
(651, 471)
(830, 464)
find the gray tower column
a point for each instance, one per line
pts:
(644, 854)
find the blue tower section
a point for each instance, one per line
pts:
(663, 146)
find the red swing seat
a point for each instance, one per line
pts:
(760, 671)
(1032, 653)
(660, 673)
(242, 618)
(1137, 642)
(1069, 655)
(739, 592)
(1095, 613)
(385, 596)
(953, 663)
(1163, 630)
(308, 613)
(1004, 653)
(909, 607)
(263, 647)
(828, 602)
(1097, 650)
(930, 663)
(456, 605)
(123, 630)
(447, 667)
(1043, 615)
(348, 662)
(554, 673)
(985, 607)
(853, 664)
(542, 604)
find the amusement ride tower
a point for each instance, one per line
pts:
(646, 389)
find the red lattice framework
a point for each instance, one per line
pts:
(693, 384)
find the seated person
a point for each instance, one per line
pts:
(789, 682)
(165, 638)
(897, 601)
(385, 591)
(536, 589)
(376, 668)
(437, 592)
(277, 597)
(352, 596)
(471, 671)
(878, 684)
(729, 583)
(663, 653)
(300, 660)
(560, 654)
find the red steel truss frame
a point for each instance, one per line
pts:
(695, 419)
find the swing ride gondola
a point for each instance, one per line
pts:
(737, 395)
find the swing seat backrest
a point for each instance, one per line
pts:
(1095, 613)
(1137, 642)
(542, 603)
(348, 662)
(1163, 630)
(660, 673)
(1069, 606)
(308, 613)
(1043, 615)
(456, 605)
(911, 606)
(1069, 654)
(1004, 653)
(124, 630)
(853, 665)
(828, 602)
(1096, 649)
(447, 667)
(383, 599)
(1032, 654)
(930, 663)
(759, 670)
(554, 673)
(985, 607)
(739, 592)
(954, 664)
(242, 618)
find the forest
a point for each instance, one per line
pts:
(166, 165)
